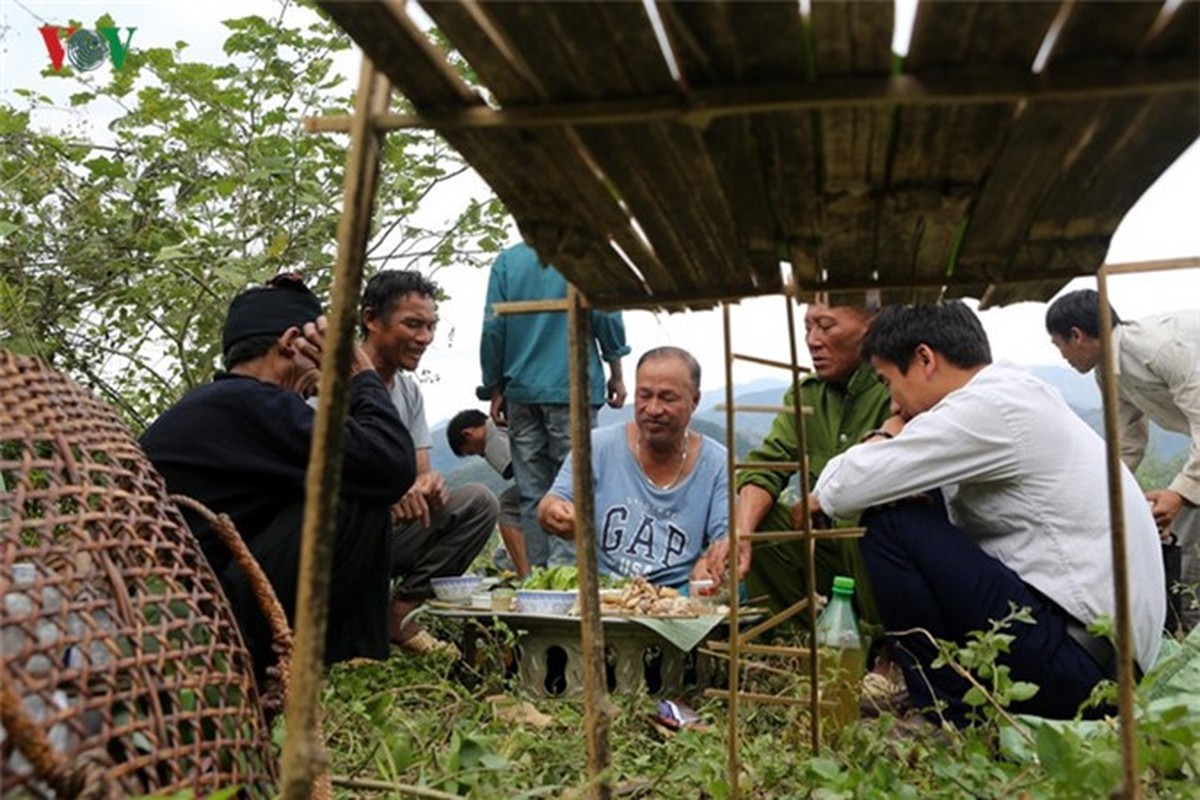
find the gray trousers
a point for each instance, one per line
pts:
(456, 535)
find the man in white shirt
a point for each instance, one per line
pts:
(1158, 378)
(1021, 516)
(437, 531)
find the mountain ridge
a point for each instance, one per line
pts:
(1080, 391)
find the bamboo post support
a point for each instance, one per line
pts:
(777, 619)
(768, 362)
(591, 631)
(764, 649)
(810, 553)
(303, 754)
(1131, 787)
(823, 533)
(775, 466)
(732, 763)
(533, 306)
(760, 409)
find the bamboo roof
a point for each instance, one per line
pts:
(769, 137)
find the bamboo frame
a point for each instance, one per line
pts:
(769, 362)
(303, 751)
(700, 106)
(535, 306)
(776, 466)
(1131, 787)
(595, 714)
(762, 408)
(732, 762)
(810, 552)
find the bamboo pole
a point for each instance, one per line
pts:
(595, 712)
(760, 408)
(533, 306)
(702, 105)
(1129, 267)
(1130, 787)
(810, 552)
(823, 533)
(769, 362)
(776, 466)
(732, 765)
(303, 752)
(763, 649)
(778, 619)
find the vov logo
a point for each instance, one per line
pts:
(86, 49)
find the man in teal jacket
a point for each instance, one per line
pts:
(524, 360)
(847, 401)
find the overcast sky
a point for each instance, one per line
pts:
(1164, 224)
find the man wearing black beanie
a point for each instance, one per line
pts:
(240, 445)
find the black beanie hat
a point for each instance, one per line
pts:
(269, 310)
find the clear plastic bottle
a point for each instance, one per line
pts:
(842, 657)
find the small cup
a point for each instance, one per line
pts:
(703, 591)
(503, 599)
(481, 600)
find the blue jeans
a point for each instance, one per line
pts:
(929, 574)
(540, 439)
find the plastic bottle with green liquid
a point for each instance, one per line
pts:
(842, 656)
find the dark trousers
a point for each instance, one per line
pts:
(1172, 555)
(358, 591)
(456, 534)
(929, 574)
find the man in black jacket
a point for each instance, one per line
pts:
(240, 445)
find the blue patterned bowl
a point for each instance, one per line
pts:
(542, 601)
(458, 589)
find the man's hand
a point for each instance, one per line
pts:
(893, 425)
(427, 495)
(499, 409)
(306, 348)
(616, 392)
(433, 487)
(410, 508)
(1164, 505)
(715, 561)
(557, 516)
(814, 509)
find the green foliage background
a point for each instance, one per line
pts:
(119, 253)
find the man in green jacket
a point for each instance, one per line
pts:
(847, 401)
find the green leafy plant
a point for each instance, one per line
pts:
(992, 686)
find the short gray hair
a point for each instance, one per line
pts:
(667, 351)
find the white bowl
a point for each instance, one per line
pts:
(544, 601)
(458, 589)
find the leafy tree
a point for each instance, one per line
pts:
(118, 255)
(1155, 473)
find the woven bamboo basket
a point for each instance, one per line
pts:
(123, 669)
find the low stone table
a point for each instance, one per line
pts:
(550, 651)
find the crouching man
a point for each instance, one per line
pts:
(1021, 518)
(240, 445)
